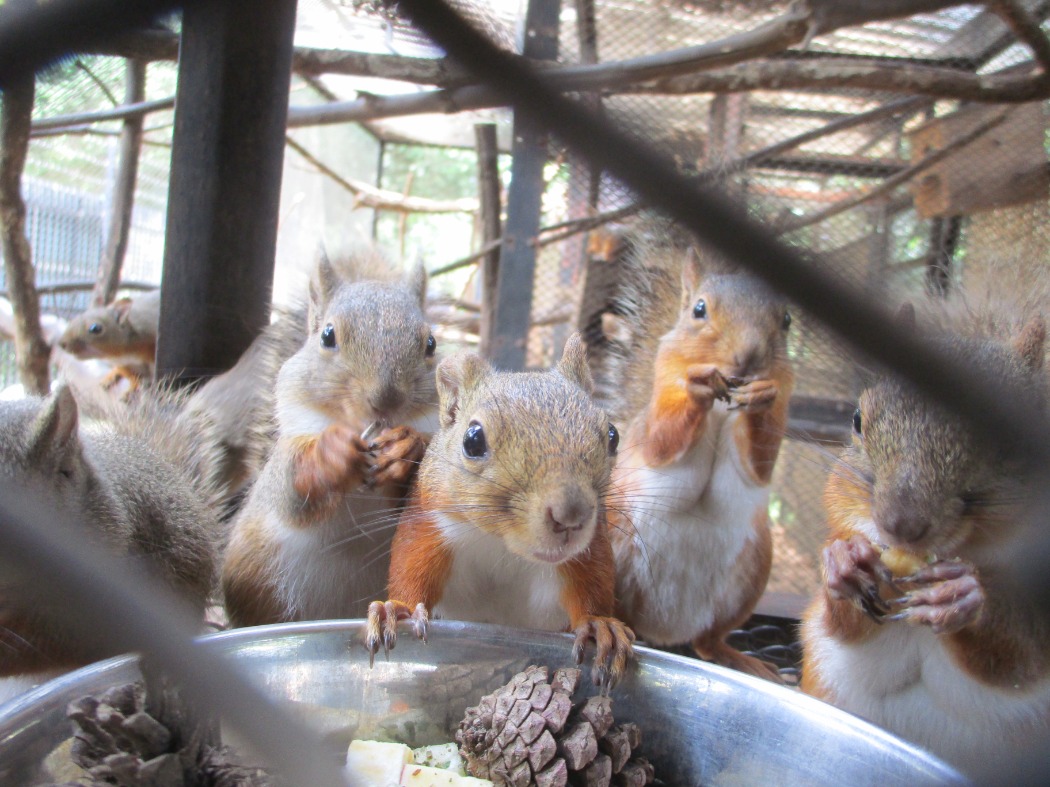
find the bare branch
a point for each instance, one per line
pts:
(901, 106)
(901, 177)
(31, 351)
(470, 259)
(1027, 29)
(122, 112)
(123, 202)
(98, 81)
(366, 196)
(826, 74)
(828, 15)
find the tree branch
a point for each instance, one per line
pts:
(1027, 29)
(367, 196)
(896, 180)
(31, 351)
(901, 106)
(122, 112)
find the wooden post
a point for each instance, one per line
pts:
(31, 351)
(513, 308)
(123, 202)
(490, 208)
(228, 148)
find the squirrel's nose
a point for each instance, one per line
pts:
(386, 400)
(570, 514)
(747, 359)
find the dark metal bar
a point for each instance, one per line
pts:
(517, 263)
(226, 162)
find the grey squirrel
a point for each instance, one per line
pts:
(697, 372)
(136, 479)
(354, 407)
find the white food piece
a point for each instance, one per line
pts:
(425, 776)
(377, 764)
(440, 755)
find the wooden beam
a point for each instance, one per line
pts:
(513, 308)
(31, 351)
(123, 202)
(491, 209)
(224, 192)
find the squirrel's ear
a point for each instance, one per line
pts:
(906, 316)
(573, 363)
(418, 283)
(55, 428)
(322, 284)
(120, 308)
(1029, 343)
(456, 375)
(692, 272)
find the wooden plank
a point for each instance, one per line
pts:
(1006, 166)
(513, 308)
(490, 210)
(226, 162)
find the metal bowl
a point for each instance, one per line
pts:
(701, 724)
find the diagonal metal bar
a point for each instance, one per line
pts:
(1008, 420)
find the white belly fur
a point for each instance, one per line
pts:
(692, 520)
(904, 680)
(334, 569)
(489, 584)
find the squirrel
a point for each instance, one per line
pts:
(699, 374)
(506, 519)
(239, 403)
(915, 627)
(135, 478)
(124, 333)
(354, 407)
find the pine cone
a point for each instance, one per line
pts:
(127, 738)
(528, 732)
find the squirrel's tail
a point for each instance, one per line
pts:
(639, 303)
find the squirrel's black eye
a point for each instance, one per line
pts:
(614, 438)
(856, 421)
(474, 444)
(700, 310)
(786, 323)
(95, 327)
(431, 345)
(328, 337)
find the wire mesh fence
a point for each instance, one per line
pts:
(977, 218)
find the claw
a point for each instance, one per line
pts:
(381, 628)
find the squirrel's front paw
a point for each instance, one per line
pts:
(852, 571)
(339, 460)
(381, 628)
(398, 451)
(614, 649)
(704, 383)
(754, 397)
(949, 597)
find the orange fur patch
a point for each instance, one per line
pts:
(589, 581)
(420, 559)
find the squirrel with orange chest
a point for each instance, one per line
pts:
(354, 406)
(506, 518)
(124, 333)
(916, 627)
(699, 375)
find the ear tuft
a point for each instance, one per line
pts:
(1029, 343)
(323, 283)
(457, 375)
(573, 363)
(906, 316)
(55, 428)
(418, 283)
